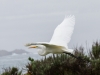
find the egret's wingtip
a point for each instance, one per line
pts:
(68, 16)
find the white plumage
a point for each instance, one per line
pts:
(60, 39)
(63, 32)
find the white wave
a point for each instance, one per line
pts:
(14, 54)
(24, 53)
(33, 53)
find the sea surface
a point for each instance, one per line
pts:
(16, 60)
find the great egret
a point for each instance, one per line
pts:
(60, 39)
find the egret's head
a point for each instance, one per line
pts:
(41, 49)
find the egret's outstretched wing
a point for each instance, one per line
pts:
(43, 43)
(37, 43)
(63, 32)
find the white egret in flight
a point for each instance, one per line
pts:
(59, 41)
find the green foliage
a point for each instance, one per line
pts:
(12, 71)
(60, 65)
(96, 50)
(63, 64)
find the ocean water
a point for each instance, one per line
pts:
(16, 60)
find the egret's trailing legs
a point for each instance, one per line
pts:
(79, 58)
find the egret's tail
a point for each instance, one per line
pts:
(71, 51)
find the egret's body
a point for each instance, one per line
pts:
(59, 41)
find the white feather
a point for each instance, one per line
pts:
(62, 33)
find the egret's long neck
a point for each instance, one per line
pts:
(42, 51)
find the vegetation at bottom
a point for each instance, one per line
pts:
(12, 71)
(63, 64)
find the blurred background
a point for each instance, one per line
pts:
(27, 21)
